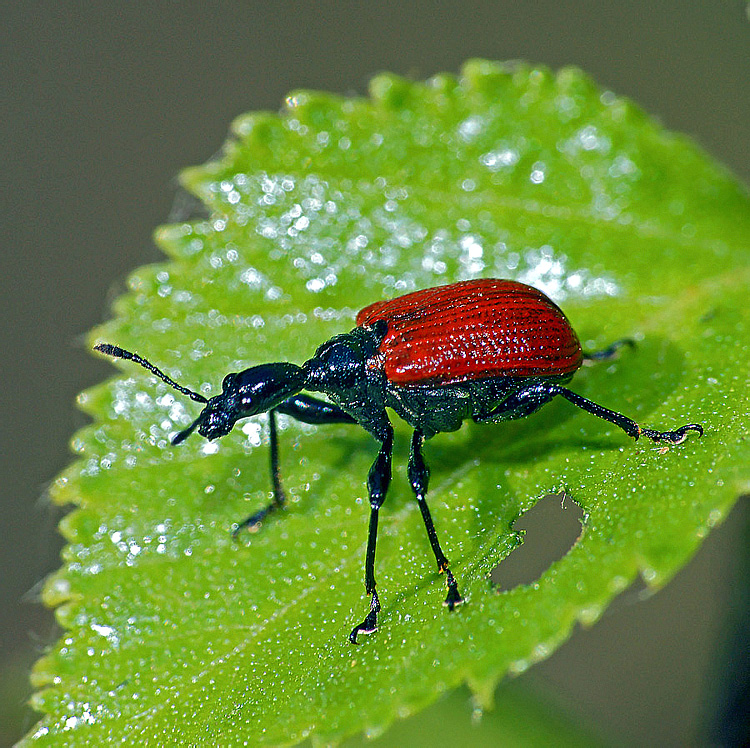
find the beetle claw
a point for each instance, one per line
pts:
(454, 596)
(673, 437)
(253, 522)
(370, 624)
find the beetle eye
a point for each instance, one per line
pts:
(380, 327)
(228, 382)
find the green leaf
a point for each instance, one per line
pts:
(521, 718)
(175, 634)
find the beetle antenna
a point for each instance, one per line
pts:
(117, 352)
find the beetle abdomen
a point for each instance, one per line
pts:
(473, 330)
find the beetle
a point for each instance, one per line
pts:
(488, 350)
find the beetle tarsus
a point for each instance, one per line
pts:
(606, 354)
(673, 437)
(628, 425)
(254, 521)
(454, 596)
(370, 624)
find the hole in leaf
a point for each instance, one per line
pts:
(550, 529)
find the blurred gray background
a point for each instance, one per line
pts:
(104, 103)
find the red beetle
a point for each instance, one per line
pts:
(489, 350)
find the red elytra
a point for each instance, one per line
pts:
(473, 330)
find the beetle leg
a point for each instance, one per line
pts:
(630, 427)
(303, 408)
(610, 352)
(378, 480)
(311, 410)
(520, 404)
(419, 477)
(279, 497)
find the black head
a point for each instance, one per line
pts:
(246, 393)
